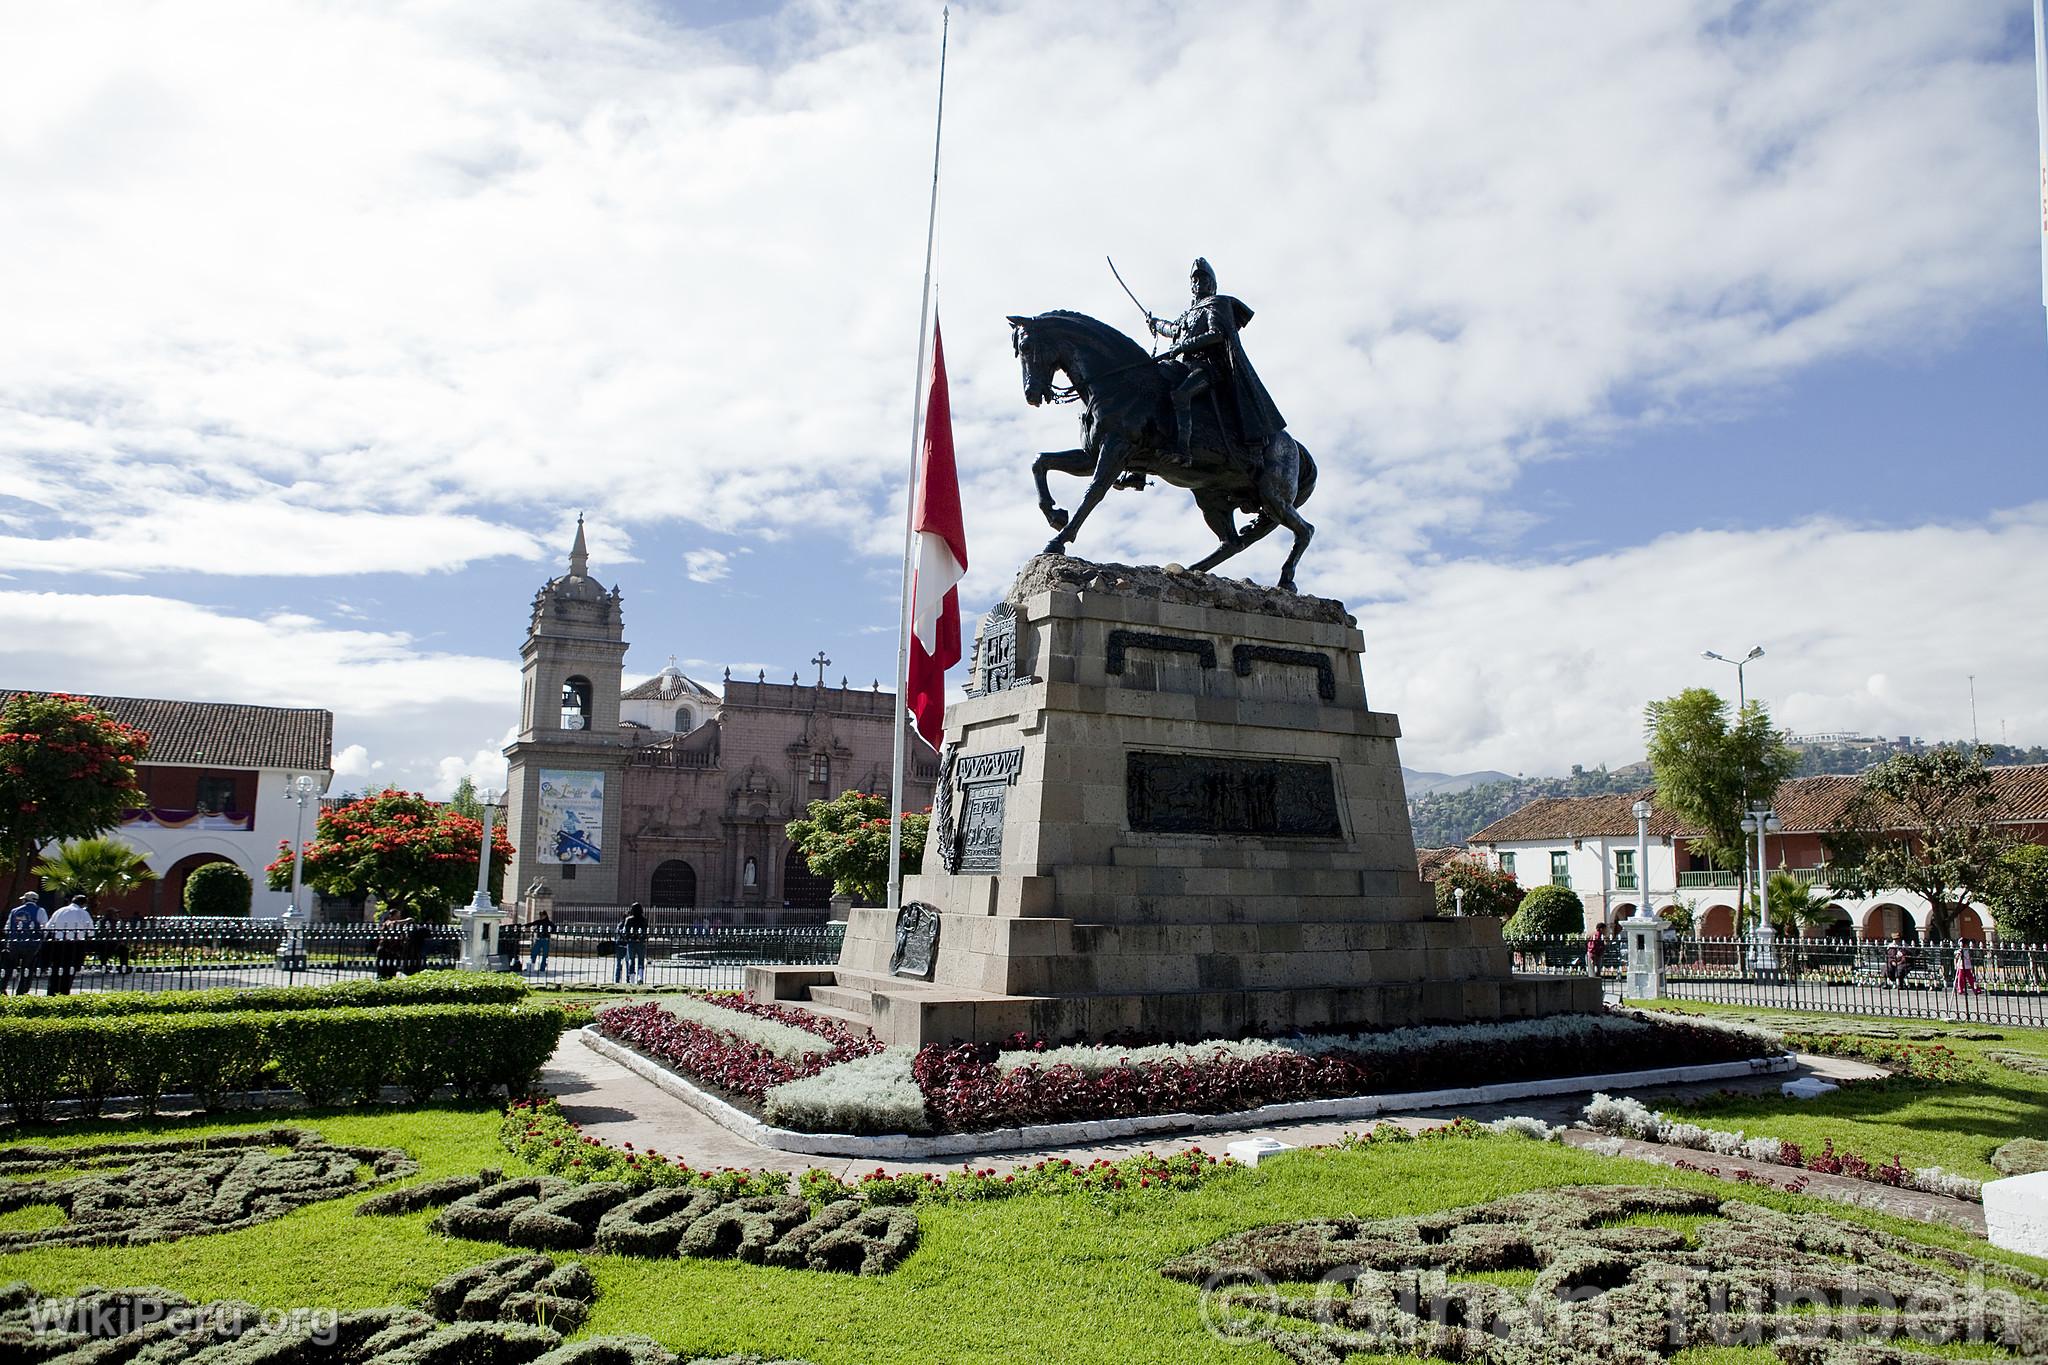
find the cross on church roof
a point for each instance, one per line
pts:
(821, 661)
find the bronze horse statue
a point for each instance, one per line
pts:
(1127, 426)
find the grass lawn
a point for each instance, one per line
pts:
(1061, 1279)
(1956, 1127)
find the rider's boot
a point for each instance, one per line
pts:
(1184, 431)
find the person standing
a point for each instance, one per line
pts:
(68, 931)
(543, 939)
(1595, 947)
(631, 965)
(23, 940)
(1966, 972)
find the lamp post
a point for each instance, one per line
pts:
(1644, 931)
(1641, 810)
(1762, 821)
(481, 915)
(291, 950)
(1756, 652)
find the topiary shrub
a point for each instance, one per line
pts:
(487, 1215)
(744, 1229)
(2021, 1156)
(218, 889)
(428, 1194)
(652, 1223)
(1547, 910)
(566, 1221)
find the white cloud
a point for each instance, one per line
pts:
(706, 566)
(273, 265)
(486, 767)
(390, 696)
(1533, 667)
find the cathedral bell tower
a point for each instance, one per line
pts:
(562, 784)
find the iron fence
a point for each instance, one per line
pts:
(184, 954)
(2003, 983)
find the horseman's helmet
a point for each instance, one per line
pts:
(1203, 271)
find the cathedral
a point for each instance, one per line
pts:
(671, 793)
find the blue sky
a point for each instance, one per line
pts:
(1672, 327)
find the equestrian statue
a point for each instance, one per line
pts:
(1195, 416)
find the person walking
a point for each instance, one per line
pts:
(1595, 946)
(1966, 972)
(543, 940)
(631, 965)
(1896, 967)
(22, 938)
(68, 931)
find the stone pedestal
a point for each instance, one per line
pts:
(2016, 1213)
(1168, 810)
(1645, 949)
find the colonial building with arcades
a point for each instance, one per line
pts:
(669, 792)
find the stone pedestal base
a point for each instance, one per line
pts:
(1169, 811)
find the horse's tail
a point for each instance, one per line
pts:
(1304, 475)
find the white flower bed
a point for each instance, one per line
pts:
(1627, 1117)
(781, 1039)
(1090, 1060)
(875, 1094)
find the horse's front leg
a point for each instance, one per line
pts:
(1075, 462)
(1108, 466)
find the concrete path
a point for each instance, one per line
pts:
(614, 1105)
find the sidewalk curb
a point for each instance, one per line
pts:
(902, 1147)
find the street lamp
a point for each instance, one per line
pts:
(291, 952)
(1762, 821)
(1755, 653)
(1641, 810)
(489, 798)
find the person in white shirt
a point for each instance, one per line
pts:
(21, 942)
(68, 931)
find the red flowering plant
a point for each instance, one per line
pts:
(413, 854)
(725, 1059)
(67, 771)
(847, 839)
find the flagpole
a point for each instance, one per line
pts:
(924, 308)
(2041, 112)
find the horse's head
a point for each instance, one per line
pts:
(1038, 363)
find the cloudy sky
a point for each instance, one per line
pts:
(1619, 331)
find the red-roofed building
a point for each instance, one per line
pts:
(214, 786)
(1589, 844)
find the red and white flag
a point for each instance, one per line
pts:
(941, 560)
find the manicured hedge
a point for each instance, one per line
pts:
(331, 1056)
(427, 988)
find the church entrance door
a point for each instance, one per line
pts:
(674, 886)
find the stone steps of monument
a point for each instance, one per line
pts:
(1294, 936)
(855, 1020)
(852, 1000)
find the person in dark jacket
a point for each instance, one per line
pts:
(631, 965)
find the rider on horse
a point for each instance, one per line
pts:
(1207, 334)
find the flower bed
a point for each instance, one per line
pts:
(720, 1054)
(1626, 1117)
(972, 1087)
(1921, 1061)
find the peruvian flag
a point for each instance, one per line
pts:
(941, 560)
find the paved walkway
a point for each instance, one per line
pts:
(616, 1106)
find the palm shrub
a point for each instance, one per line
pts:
(97, 867)
(1545, 911)
(218, 889)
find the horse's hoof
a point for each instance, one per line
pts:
(1287, 585)
(1056, 518)
(1055, 546)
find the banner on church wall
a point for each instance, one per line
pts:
(571, 816)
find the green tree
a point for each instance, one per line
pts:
(411, 853)
(218, 889)
(464, 800)
(1545, 911)
(2019, 899)
(1488, 890)
(67, 771)
(1794, 907)
(847, 839)
(1923, 822)
(1709, 770)
(97, 868)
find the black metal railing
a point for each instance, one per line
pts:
(187, 954)
(1991, 982)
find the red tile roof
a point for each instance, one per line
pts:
(225, 734)
(1805, 805)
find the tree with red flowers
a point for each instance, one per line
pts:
(67, 771)
(411, 853)
(847, 839)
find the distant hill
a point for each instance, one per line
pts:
(1450, 808)
(1426, 784)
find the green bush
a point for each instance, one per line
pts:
(331, 1056)
(428, 988)
(218, 889)
(1548, 910)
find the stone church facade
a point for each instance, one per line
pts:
(671, 793)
